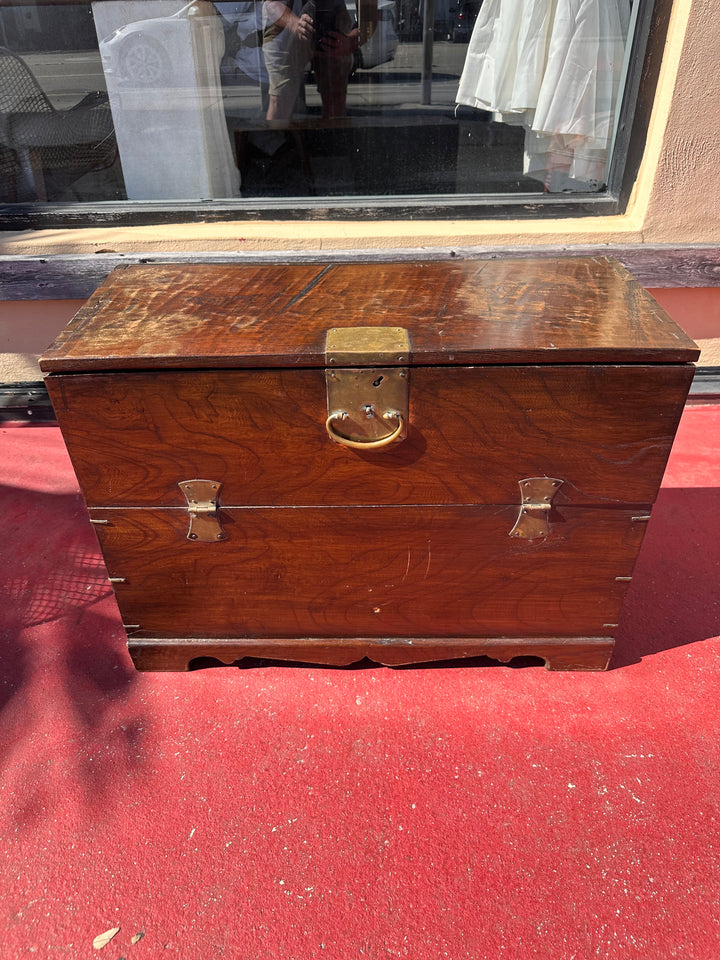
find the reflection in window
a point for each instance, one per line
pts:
(553, 67)
(160, 100)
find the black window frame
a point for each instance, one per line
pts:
(634, 116)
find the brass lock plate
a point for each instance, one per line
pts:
(364, 403)
(367, 401)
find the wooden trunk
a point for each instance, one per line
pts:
(509, 424)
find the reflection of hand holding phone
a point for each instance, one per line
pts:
(309, 9)
(323, 18)
(304, 25)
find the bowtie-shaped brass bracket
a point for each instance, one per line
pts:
(202, 499)
(536, 494)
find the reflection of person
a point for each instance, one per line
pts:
(322, 32)
(336, 37)
(287, 47)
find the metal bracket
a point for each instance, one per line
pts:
(367, 399)
(366, 346)
(202, 498)
(536, 494)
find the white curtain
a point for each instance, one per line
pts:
(553, 66)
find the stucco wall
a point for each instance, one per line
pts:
(675, 198)
(684, 202)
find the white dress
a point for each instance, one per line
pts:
(553, 66)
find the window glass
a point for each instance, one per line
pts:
(157, 100)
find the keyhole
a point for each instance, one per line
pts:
(376, 383)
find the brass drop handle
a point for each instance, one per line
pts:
(365, 444)
(366, 380)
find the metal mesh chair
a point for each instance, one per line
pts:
(39, 142)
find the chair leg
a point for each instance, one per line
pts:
(31, 182)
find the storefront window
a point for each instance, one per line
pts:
(242, 102)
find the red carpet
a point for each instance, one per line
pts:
(293, 813)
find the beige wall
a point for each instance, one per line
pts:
(26, 329)
(684, 202)
(676, 198)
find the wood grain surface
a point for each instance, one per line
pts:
(559, 653)
(371, 572)
(502, 311)
(77, 276)
(474, 433)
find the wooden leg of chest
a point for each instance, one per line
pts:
(577, 653)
